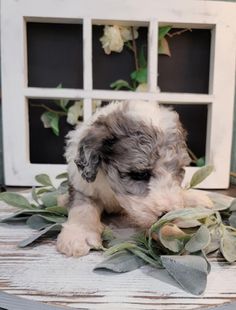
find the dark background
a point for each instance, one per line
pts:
(55, 56)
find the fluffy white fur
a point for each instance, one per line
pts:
(83, 229)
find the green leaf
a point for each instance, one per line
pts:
(48, 231)
(139, 253)
(120, 84)
(200, 175)
(162, 32)
(228, 244)
(140, 75)
(232, 206)
(121, 262)
(199, 240)
(51, 120)
(215, 235)
(200, 162)
(38, 221)
(120, 247)
(57, 210)
(232, 220)
(163, 47)
(63, 175)
(34, 195)
(49, 199)
(43, 179)
(44, 190)
(22, 215)
(63, 103)
(172, 237)
(141, 58)
(189, 271)
(196, 213)
(15, 200)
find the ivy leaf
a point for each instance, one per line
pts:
(121, 262)
(120, 84)
(189, 271)
(200, 162)
(200, 175)
(48, 231)
(44, 180)
(228, 244)
(63, 104)
(15, 200)
(199, 240)
(162, 32)
(140, 75)
(51, 120)
(74, 112)
(163, 47)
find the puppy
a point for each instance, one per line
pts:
(130, 156)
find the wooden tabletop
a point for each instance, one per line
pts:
(40, 273)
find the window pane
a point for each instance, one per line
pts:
(47, 145)
(187, 69)
(55, 55)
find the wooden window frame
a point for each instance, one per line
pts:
(217, 16)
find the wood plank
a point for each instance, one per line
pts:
(40, 273)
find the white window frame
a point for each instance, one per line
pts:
(218, 16)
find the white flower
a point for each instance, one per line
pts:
(126, 33)
(112, 40)
(74, 112)
(114, 37)
(96, 104)
(142, 87)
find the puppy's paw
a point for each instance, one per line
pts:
(196, 198)
(77, 241)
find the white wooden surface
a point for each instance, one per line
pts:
(40, 273)
(217, 16)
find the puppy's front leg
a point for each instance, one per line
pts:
(82, 231)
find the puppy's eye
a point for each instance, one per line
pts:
(140, 175)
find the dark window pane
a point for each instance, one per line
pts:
(55, 55)
(187, 70)
(194, 120)
(45, 146)
(109, 68)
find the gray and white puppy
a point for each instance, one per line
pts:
(130, 156)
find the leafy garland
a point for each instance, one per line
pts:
(179, 241)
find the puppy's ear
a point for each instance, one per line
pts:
(92, 149)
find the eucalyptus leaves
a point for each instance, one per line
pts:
(179, 241)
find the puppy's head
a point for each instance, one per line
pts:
(138, 159)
